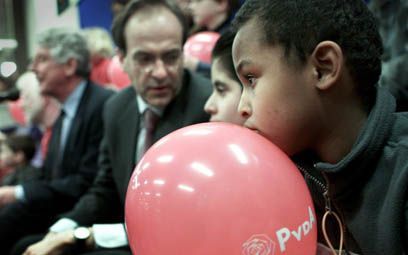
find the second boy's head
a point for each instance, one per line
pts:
(222, 105)
(300, 62)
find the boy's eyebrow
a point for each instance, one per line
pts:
(242, 64)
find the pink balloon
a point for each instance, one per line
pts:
(200, 45)
(217, 188)
(117, 75)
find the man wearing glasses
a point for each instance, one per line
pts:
(150, 35)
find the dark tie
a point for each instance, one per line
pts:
(150, 121)
(56, 144)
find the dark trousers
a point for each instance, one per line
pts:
(16, 221)
(20, 219)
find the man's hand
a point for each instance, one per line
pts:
(52, 244)
(7, 195)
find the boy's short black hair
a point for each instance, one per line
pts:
(299, 25)
(119, 23)
(23, 143)
(223, 51)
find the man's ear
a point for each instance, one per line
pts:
(327, 59)
(121, 56)
(123, 61)
(71, 67)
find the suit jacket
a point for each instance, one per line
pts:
(79, 162)
(105, 200)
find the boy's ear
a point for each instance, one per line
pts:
(327, 59)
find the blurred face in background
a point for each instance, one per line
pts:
(183, 5)
(154, 57)
(223, 103)
(50, 74)
(207, 12)
(31, 99)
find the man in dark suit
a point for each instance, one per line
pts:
(150, 35)
(61, 64)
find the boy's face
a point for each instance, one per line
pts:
(277, 101)
(222, 105)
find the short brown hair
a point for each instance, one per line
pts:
(134, 6)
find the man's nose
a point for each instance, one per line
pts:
(159, 69)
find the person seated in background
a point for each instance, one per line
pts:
(6, 119)
(213, 15)
(61, 64)
(392, 16)
(3, 170)
(184, 7)
(117, 6)
(40, 112)
(16, 152)
(101, 49)
(310, 72)
(222, 105)
(163, 98)
(209, 15)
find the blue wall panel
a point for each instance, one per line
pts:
(95, 13)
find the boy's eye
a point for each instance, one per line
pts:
(220, 88)
(250, 79)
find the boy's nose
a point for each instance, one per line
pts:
(209, 106)
(244, 108)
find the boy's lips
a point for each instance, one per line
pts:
(252, 128)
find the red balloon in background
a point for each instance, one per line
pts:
(117, 75)
(16, 112)
(217, 188)
(200, 45)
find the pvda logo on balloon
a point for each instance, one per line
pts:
(262, 244)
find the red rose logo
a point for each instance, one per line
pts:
(258, 245)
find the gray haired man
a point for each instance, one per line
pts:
(61, 64)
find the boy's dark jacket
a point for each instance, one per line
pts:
(368, 187)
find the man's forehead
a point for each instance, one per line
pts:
(42, 51)
(155, 29)
(156, 15)
(155, 49)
